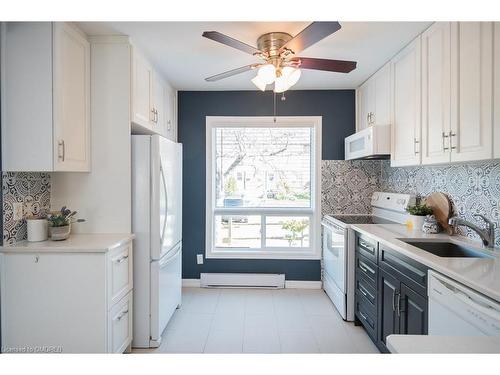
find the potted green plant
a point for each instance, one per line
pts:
(60, 223)
(417, 214)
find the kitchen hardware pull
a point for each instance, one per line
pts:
(363, 315)
(365, 292)
(121, 259)
(372, 115)
(367, 246)
(61, 146)
(451, 140)
(169, 124)
(153, 112)
(398, 303)
(365, 268)
(444, 135)
(122, 314)
(415, 147)
(368, 119)
(394, 300)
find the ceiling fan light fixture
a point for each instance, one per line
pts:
(281, 84)
(267, 73)
(292, 75)
(257, 81)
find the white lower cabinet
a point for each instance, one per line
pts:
(66, 300)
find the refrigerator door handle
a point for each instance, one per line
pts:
(166, 260)
(166, 203)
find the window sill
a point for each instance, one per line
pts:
(255, 254)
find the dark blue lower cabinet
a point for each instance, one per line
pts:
(400, 308)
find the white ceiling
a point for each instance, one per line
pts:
(185, 58)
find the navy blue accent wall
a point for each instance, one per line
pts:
(337, 107)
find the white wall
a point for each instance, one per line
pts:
(103, 196)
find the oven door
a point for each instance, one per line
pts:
(334, 254)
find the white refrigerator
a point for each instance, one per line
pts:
(157, 225)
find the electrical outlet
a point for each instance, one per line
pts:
(18, 210)
(199, 258)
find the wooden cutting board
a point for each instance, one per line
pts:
(441, 207)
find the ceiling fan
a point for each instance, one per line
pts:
(279, 50)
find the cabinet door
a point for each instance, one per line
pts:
(365, 97)
(413, 310)
(405, 140)
(387, 306)
(171, 123)
(496, 92)
(142, 103)
(436, 100)
(160, 111)
(71, 103)
(55, 300)
(382, 96)
(471, 87)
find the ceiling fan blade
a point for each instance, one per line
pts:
(310, 35)
(231, 42)
(339, 66)
(230, 73)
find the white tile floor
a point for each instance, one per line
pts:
(260, 321)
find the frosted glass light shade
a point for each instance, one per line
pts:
(267, 73)
(258, 82)
(281, 84)
(292, 75)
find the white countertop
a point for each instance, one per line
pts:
(76, 243)
(415, 344)
(481, 274)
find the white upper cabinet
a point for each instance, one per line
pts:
(471, 91)
(45, 97)
(436, 100)
(152, 107)
(171, 114)
(374, 99)
(406, 105)
(496, 90)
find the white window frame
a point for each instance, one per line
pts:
(313, 212)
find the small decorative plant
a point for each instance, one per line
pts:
(63, 218)
(419, 210)
(60, 223)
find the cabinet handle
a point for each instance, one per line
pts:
(398, 303)
(365, 292)
(394, 300)
(61, 150)
(372, 116)
(169, 124)
(122, 314)
(451, 140)
(444, 135)
(365, 268)
(415, 145)
(367, 246)
(119, 260)
(156, 112)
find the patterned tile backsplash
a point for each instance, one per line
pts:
(30, 188)
(472, 188)
(347, 186)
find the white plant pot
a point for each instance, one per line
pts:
(37, 229)
(415, 222)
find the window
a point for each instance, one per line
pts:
(263, 187)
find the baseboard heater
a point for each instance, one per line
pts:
(242, 280)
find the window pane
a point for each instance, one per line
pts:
(238, 231)
(263, 167)
(287, 231)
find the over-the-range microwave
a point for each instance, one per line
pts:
(373, 142)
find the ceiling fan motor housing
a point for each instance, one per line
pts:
(271, 43)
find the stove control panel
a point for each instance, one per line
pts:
(392, 201)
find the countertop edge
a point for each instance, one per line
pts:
(48, 246)
(428, 344)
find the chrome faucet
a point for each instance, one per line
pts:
(487, 233)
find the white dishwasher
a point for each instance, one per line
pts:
(455, 310)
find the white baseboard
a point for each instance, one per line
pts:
(191, 283)
(300, 284)
(290, 284)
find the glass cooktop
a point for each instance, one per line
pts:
(361, 219)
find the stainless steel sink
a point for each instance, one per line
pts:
(445, 249)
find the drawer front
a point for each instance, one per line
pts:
(366, 317)
(120, 325)
(367, 292)
(367, 247)
(367, 270)
(120, 273)
(409, 271)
